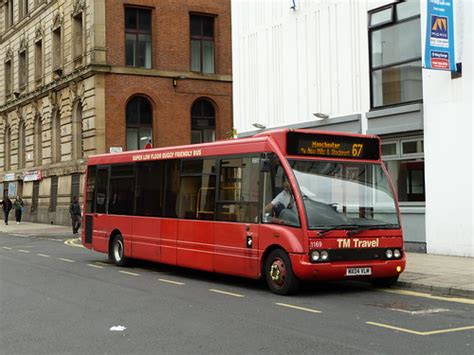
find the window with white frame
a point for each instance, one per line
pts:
(395, 54)
(404, 159)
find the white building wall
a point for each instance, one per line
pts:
(289, 64)
(449, 150)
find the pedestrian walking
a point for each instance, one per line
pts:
(7, 206)
(18, 207)
(75, 212)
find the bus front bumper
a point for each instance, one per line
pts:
(306, 270)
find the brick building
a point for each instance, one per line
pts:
(83, 77)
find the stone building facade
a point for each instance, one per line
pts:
(84, 77)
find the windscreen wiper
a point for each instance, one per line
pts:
(378, 226)
(339, 226)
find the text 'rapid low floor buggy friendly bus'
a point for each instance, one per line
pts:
(285, 205)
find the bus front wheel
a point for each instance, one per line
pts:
(118, 251)
(279, 273)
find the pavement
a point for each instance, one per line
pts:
(437, 274)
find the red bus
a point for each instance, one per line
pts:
(284, 205)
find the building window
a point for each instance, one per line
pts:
(21, 144)
(6, 148)
(404, 159)
(202, 43)
(78, 36)
(138, 37)
(38, 141)
(139, 123)
(8, 14)
(22, 71)
(203, 122)
(57, 50)
(34, 199)
(23, 8)
(39, 62)
(77, 149)
(75, 185)
(53, 200)
(8, 78)
(56, 136)
(395, 54)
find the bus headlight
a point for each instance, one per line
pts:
(324, 255)
(396, 253)
(389, 253)
(315, 255)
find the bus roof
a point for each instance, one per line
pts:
(261, 142)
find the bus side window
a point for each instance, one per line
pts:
(101, 190)
(238, 189)
(91, 177)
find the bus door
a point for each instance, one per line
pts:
(236, 226)
(195, 206)
(98, 220)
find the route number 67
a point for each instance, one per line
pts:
(356, 150)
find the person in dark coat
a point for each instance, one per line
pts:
(7, 206)
(18, 207)
(75, 212)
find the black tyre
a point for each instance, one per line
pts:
(117, 251)
(279, 273)
(385, 282)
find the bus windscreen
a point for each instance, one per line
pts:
(332, 146)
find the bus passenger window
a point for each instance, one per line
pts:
(238, 191)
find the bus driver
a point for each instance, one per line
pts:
(283, 205)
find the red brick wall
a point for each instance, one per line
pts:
(170, 32)
(171, 47)
(171, 107)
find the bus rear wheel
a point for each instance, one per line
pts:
(118, 251)
(279, 273)
(385, 282)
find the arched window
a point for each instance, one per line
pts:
(21, 144)
(38, 139)
(203, 122)
(139, 123)
(77, 150)
(6, 149)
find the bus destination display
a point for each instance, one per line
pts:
(329, 146)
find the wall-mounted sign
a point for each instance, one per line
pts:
(439, 45)
(32, 175)
(9, 177)
(115, 149)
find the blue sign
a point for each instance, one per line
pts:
(439, 45)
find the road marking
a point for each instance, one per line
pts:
(423, 311)
(427, 295)
(23, 251)
(20, 235)
(171, 282)
(68, 260)
(101, 263)
(129, 273)
(7, 248)
(43, 255)
(96, 266)
(226, 293)
(411, 331)
(299, 308)
(72, 243)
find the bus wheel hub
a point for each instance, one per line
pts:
(277, 271)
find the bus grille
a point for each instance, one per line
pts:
(356, 254)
